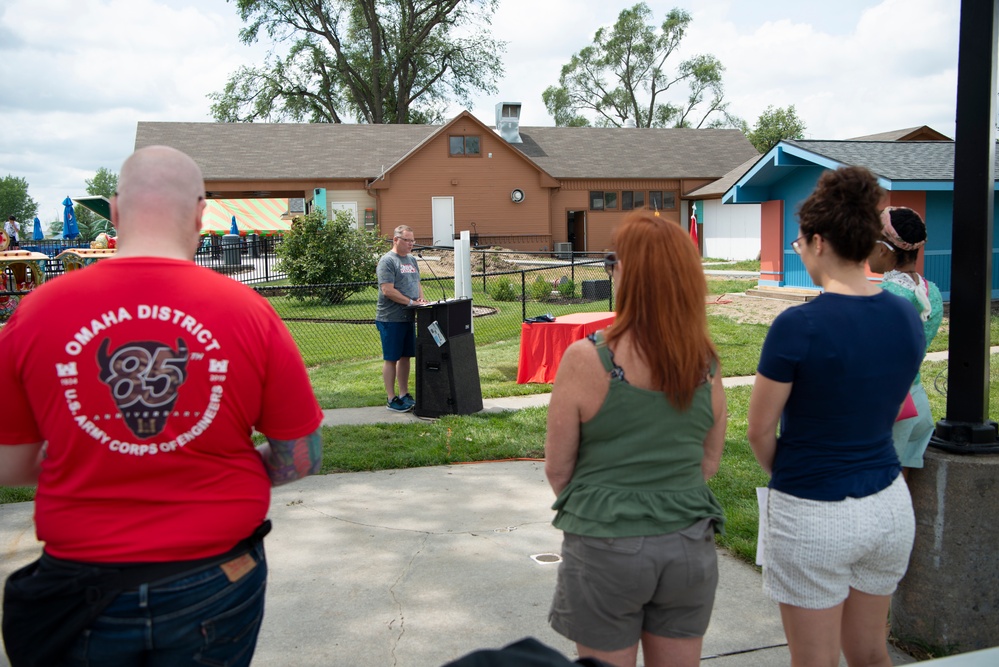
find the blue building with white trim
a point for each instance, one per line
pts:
(917, 174)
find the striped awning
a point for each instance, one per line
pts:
(257, 216)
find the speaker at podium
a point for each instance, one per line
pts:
(447, 372)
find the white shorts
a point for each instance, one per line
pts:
(816, 551)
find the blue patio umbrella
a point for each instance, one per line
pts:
(37, 233)
(234, 229)
(70, 230)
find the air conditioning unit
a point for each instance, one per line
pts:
(563, 250)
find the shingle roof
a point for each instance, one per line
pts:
(894, 160)
(248, 151)
(721, 186)
(597, 152)
(897, 135)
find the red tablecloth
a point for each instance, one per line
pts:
(543, 343)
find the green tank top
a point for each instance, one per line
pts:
(638, 471)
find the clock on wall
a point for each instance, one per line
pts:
(517, 196)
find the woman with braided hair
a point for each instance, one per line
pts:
(903, 233)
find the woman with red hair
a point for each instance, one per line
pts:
(636, 425)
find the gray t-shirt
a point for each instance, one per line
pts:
(404, 274)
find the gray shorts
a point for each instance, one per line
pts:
(610, 590)
(816, 551)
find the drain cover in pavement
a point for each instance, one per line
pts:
(546, 559)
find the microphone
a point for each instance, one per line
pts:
(420, 255)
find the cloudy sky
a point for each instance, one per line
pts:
(76, 76)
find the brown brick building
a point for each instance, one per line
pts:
(527, 188)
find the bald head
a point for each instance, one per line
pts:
(159, 203)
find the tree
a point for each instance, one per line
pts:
(374, 61)
(774, 125)
(333, 255)
(623, 77)
(54, 229)
(14, 201)
(105, 184)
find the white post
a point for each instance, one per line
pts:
(459, 275)
(463, 266)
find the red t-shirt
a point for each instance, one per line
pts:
(147, 377)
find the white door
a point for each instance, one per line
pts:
(346, 206)
(443, 212)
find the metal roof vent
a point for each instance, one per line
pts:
(629, 122)
(508, 121)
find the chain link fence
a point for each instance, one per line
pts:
(507, 288)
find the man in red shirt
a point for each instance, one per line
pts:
(131, 390)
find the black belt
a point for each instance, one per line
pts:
(129, 576)
(50, 601)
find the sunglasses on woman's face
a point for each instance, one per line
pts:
(610, 261)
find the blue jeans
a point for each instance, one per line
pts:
(203, 619)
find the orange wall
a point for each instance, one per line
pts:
(480, 187)
(248, 189)
(574, 195)
(771, 241)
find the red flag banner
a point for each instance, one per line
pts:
(693, 229)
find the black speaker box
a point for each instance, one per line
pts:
(447, 377)
(453, 317)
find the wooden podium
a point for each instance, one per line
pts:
(447, 372)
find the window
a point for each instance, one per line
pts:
(659, 200)
(602, 201)
(656, 200)
(463, 146)
(632, 200)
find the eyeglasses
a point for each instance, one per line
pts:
(610, 261)
(405, 240)
(887, 245)
(796, 245)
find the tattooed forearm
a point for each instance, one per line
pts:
(288, 460)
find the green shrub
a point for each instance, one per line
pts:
(541, 290)
(503, 290)
(567, 289)
(332, 254)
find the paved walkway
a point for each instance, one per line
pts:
(380, 415)
(416, 567)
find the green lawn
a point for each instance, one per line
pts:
(728, 265)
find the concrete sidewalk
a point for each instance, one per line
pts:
(380, 415)
(417, 567)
